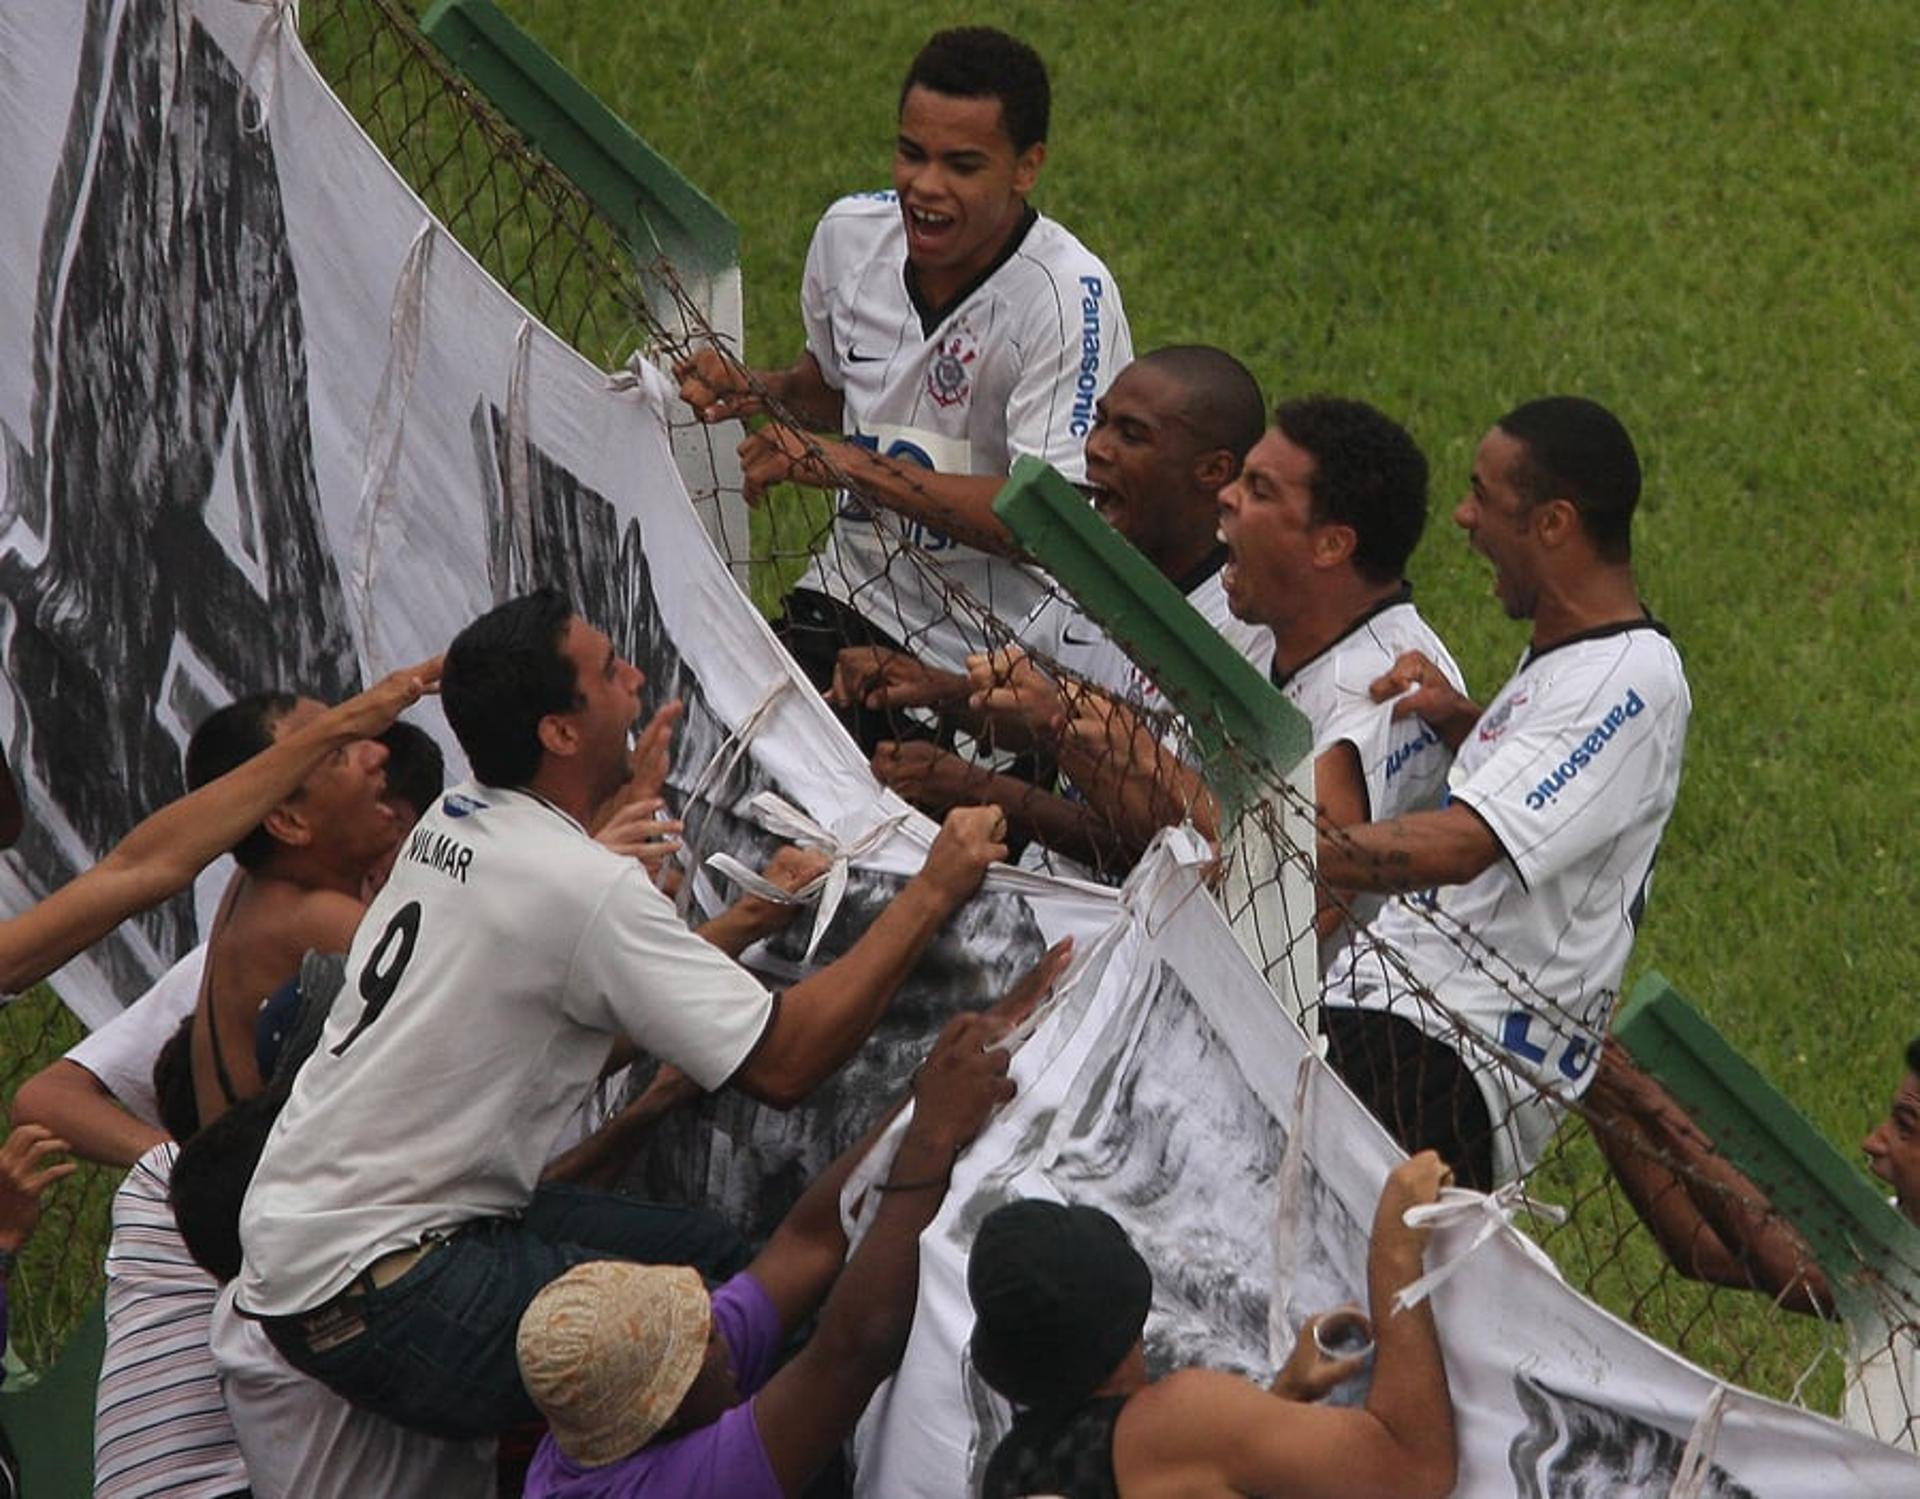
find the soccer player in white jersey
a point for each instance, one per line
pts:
(1319, 528)
(1481, 1007)
(1167, 437)
(951, 328)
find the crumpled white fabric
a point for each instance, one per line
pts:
(282, 17)
(377, 522)
(1494, 1211)
(780, 817)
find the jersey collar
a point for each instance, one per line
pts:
(932, 317)
(1600, 632)
(1404, 595)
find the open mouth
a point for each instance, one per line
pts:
(925, 226)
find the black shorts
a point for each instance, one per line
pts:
(1418, 1087)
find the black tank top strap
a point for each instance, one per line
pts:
(205, 1002)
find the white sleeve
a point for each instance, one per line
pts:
(1080, 330)
(639, 972)
(816, 307)
(1595, 750)
(121, 1053)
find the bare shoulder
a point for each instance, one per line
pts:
(1179, 1412)
(1171, 1435)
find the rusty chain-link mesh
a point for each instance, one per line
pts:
(1123, 770)
(567, 265)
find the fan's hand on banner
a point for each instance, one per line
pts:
(970, 840)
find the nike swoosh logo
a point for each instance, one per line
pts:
(854, 356)
(1067, 636)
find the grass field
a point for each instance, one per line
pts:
(1697, 215)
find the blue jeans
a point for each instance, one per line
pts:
(435, 1350)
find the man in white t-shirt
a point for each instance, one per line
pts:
(950, 329)
(393, 1233)
(1318, 528)
(1480, 1006)
(1167, 438)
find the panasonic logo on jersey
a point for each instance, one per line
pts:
(1586, 751)
(1084, 386)
(1397, 759)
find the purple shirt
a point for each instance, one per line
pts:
(726, 1460)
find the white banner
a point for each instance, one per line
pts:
(1166, 1086)
(264, 423)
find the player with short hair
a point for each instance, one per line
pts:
(950, 329)
(395, 1229)
(1319, 528)
(1497, 981)
(1169, 434)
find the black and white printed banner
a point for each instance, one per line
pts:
(264, 423)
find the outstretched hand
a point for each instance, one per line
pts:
(878, 676)
(24, 1176)
(373, 711)
(1031, 987)
(963, 1080)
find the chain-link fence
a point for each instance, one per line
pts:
(1087, 762)
(1087, 757)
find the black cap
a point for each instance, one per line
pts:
(1059, 1298)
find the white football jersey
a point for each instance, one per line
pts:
(1012, 369)
(1403, 761)
(484, 989)
(1575, 767)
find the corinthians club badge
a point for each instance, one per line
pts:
(948, 379)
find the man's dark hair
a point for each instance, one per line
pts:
(978, 62)
(229, 737)
(173, 1084)
(211, 1176)
(1913, 1055)
(1224, 406)
(503, 674)
(1368, 473)
(1577, 450)
(416, 770)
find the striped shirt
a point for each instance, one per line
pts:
(160, 1425)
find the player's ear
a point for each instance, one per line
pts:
(1026, 167)
(558, 734)
(1556, 522)
(1215, 469)
(288, 824)
(1333, 544)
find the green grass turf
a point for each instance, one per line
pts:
(1695, 215)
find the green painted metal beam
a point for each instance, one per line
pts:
(1865, 1247)
(1249, 734)
(657, 210)
(50, 1419)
